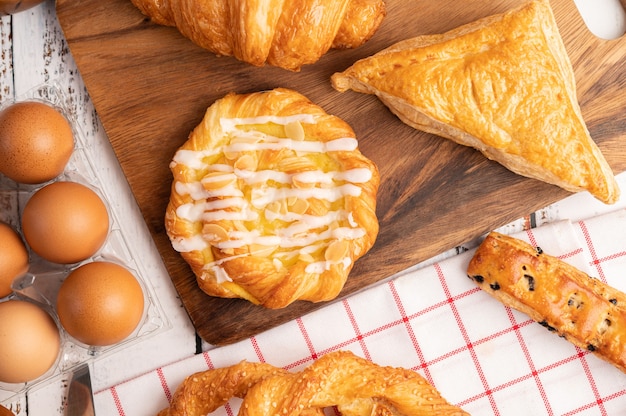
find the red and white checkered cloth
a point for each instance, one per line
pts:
(480, 355)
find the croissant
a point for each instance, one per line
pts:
(353, 384)
(286, 34)
(586, 311)
(503, 85)
(272, 201)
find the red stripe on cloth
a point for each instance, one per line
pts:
(164, 385)
(573, 253)
(610, 257)
(116, 400)
(466, 338)
(531, 238)
(591, 405)
(406, 321)
(307, 338)
(529, 360)
(592, 251)
(592, 381)
(208, 361)
(257, 349)
(596, 260)
(357, 331)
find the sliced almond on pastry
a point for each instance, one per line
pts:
(272, 200)
(503, 85)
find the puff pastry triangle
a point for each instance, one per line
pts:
(503, 85)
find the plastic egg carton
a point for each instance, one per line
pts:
(42, 282)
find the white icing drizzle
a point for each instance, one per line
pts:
(218, 215)
(220, 274)
(185, 245)
(321, 266)
(262, 176)
(358, 175)
(229, 202)
(194, 159)
(191, 212)
(302, 146)
(264, 196)
(230, 124)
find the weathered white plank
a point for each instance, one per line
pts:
(6, 65)
(34, 54)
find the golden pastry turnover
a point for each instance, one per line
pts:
(503, 85)
(286, 34)
(272, 200)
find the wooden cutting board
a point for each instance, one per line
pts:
(151, 86)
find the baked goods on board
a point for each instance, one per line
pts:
(272, 200)
(503, 85)
(286, 34)
(584, 310)
(353, 384)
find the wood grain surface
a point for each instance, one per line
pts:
(151, 86)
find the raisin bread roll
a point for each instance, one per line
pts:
(584, 310)
(272, 201)
(503, 85)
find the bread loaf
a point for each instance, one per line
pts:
(582, 309)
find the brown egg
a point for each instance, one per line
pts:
(36, 142)
(13, 258)
(14, 6)
(5, 412)
(100, 303)
(29, 341)
(65, 222)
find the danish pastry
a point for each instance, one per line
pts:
(272, 201)
(503, 85)
(286, 34)
(354, 385)
(584, 310)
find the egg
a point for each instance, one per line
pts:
(14, 6)
(29, 341)
(100, 303)
(36, 142)
(13, 258)
(65, 222)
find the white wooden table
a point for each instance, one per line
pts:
(34, 52)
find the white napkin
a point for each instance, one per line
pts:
(480, 355)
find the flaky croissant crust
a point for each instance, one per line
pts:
(271, 200)
(287, 34)
(353, 384)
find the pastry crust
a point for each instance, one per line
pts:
(204, 392)
(586, 311)
(272, 201)
(354, 385)
(503, 85)
(287, 34)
